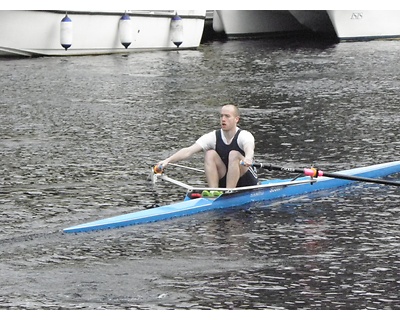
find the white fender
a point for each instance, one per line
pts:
(176, 30)
(125, 30)
(66, 32)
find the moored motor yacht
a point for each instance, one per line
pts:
(68, 32)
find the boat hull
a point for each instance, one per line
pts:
(255, 23)
(355, 25)
(238, 199)
(317, 21)
(38, 33)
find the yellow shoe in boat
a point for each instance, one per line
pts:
(211, 194)
(206, 194)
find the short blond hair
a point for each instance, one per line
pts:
(235, 109)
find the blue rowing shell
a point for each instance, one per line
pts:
(274, 189)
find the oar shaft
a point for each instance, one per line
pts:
(271, 167)
(362, 179)
(185, 167)
(313, 172)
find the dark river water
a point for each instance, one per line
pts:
(78, 136)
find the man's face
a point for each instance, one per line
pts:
(228, 118)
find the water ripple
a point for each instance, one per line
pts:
(78, 136)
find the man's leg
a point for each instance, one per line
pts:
(235, 169)
(214, 167)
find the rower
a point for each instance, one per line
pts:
(224, 150)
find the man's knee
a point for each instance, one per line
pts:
(210, 155)
(235, 156)
(212, 162)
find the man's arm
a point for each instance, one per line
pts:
(248, 148)
(181, 154)
(249, 154)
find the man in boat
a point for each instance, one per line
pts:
(229, 153)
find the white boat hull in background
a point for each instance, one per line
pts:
(351, 25)
(365, 24)
(39, 33)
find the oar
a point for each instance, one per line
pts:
(185, 167)
(314, 172)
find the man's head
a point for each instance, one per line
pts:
(229, 117)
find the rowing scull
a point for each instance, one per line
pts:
(267, 191)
